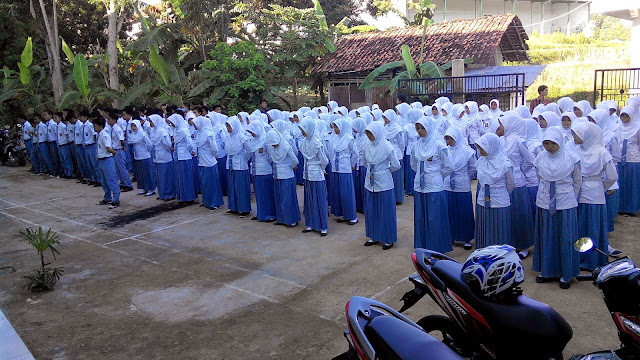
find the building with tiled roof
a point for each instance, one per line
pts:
(488, 40)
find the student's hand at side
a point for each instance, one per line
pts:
(193, 153)
(611, 192)
(295, 168)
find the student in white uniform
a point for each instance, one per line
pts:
(343, 156)
(118, 144)
(395, 134)
(107, 166)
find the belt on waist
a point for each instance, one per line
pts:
(63, 144)
(87, 145)
(104, 158)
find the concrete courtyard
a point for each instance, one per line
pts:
(154, 280)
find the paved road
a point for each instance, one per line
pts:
(156, 280)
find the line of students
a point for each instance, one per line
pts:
(541, 177)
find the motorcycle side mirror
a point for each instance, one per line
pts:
(583, 244)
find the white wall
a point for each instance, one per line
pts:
(528, 12)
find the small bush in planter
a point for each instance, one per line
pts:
(46, 277)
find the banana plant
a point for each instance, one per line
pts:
(26, 58)
(85, 95)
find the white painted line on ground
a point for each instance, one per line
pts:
(390, 287)
(250, 293)
(34, 203)
(135, 237)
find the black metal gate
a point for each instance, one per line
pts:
(509, 89)
(616, 84)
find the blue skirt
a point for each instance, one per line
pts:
(380, 216)
(222, 174)
(629, 180)
(592, 222)
(431, 222)
(461, 221)
(211, 192)
(613, 201)
(409, 175)
(145, 174)
(398, 183)
(533, 193)
(286, 196)
(315, 205)
(358, 186)
(299, 172)
(186, 189)
(521, 219)
(493, 226)
(343, 198)
(239, 190)
(265, 200)
(553, 253)
(166, 179)
(196, 176)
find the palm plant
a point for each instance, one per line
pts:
(46, 277)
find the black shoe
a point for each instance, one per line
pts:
(269, 220)
(126, 189)
(323, 234)
(541, 280)
(83, 181)
(230, 212)
(292, 225)
(351, 222)
(243, 214)
(103, 202)
(398, 203)
(341, 220)
(114, 205)
(254, 218)
(468, 246)
(96, 185)
(387, 246)
(564, 285)
(80, 182)
(307, 230)
(370, 243)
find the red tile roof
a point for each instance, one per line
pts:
(475, 39)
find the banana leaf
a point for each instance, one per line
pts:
(25, 74)
(200, 88)
(69, 98)
(408, 60)
(81, 74)
(158, 64)
(67, 51)
(135, 93)
(369, 80)
(27, 53)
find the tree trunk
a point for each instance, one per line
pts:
(323, 99)
(295, 93)
(112, 49)
(53, 41)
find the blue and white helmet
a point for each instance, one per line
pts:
(493, 270)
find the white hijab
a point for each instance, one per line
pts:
(492, 167)
(532, 134)
(427, 146)
(359, 126)
(495, 113)
(235, 141)
(459, 154)
(592, 152)
(631, 128)
(341, 141)
(393, 128)
(512, 124)
(159, 129)
(379, 149)
(311, 144)
(565, 104)
(277, 154)
(205, 130)
(255, 143)
(412, 117)
(555, 167)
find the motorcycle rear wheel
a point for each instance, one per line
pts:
(445, 330)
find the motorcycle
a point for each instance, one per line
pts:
(13, 149)
(619, 282)
(376, 331)
(515, 327)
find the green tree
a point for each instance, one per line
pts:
(237, 76)
(608, 28)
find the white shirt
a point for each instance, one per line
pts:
(381, 173)
(238, 161)
(207, 153)
(344, 161)
(104, 141)
(42, 131)
(567, 190)
(522, 161)
(79, 134)
(62, 133)
(26, 127)
(462, 177)
(410, 140)
(314, 167)
(52, 130)
(71, 134)
(122, 123)
(162, 152)
(89, 133)
(117, 135)
(531, 176)
(398, 145)
(431, 172)
(633, 151)
(183, 148)
(260, 164)
(593, 187)
(129, 129)
(613, 147)
(142, 147)
(498, 191)
(284, 169)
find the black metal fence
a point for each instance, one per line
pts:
(616, 84)
(509, 89)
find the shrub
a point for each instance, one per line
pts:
(46, 277)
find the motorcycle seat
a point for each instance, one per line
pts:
(393, 339)
(521, 323)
